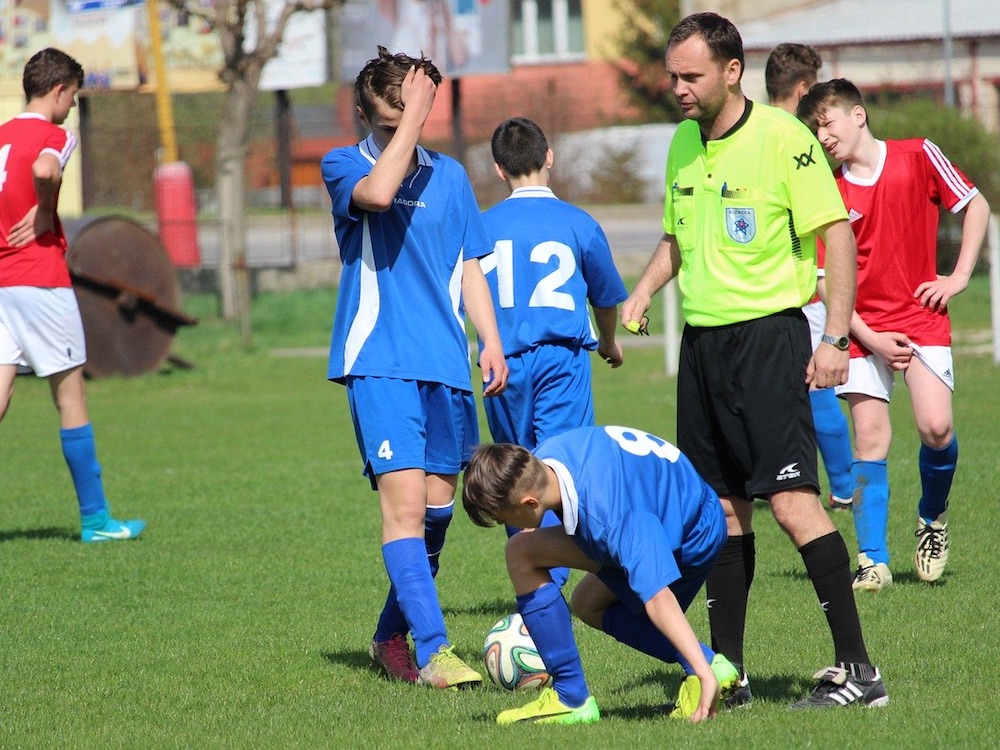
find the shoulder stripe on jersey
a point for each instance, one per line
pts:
(946, 169)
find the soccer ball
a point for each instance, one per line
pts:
(512, 661)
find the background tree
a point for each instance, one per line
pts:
(250, 36)
(640, 48)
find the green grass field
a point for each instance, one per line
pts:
(242, 616)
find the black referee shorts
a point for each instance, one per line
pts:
(743, 411)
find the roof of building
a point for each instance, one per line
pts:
(840, 22)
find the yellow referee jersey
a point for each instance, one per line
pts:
(744, 210)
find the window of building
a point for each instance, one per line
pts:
(546, 30)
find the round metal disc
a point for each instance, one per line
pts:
(120, 273)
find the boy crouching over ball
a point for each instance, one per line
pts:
(645, 527)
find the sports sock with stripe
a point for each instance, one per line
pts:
(828, 565)
(726, 592)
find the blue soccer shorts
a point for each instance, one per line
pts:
(411, 424)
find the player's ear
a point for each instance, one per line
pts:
(550, 159)
(361, 116)
(529, 501)
(501, 173)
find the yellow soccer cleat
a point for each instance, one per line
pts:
(548, 709)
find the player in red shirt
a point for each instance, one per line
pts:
(40, 321)
(893, 191)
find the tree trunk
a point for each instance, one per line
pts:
(232, 146)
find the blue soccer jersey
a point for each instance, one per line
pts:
(633, 501)
(399, 310)
(549, 257)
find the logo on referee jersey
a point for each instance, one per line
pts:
(741, 224)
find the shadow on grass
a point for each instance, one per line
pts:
(497, 608)
(352, 659)
(774, 689)
(50, 532)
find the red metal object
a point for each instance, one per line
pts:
(176, 213)
(129, 297)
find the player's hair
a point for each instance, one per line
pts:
(824, 96)
(47, 69)
(382, 78)
(496, 477)
(519, 146)
(721, 37)
(787, 65)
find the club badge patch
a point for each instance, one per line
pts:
(741, 224)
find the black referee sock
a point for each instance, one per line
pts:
(726, 590)
(829, 567)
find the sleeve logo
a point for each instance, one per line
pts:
(804, 160)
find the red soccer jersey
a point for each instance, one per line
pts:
(22, 141)
(894, 215)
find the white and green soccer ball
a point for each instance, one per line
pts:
(511, 659)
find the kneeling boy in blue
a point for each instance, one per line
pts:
(645, 527)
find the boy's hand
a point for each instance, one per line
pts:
(417, 94)
(934, 295)
(494, 368)
(611, 353)
(893, 347)
(34, 224)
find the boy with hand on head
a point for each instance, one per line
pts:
(790, 72)
(893, 191)
(40, 321)
(549, 258)
(410, 235)
(641, 522)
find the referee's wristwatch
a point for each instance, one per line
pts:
(841, 342)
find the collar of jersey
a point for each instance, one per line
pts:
(567, 491)
(532, 191)
(371, 152)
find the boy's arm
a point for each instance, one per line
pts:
(607, 347)
(935, 294)
(828, 365)
(377, 191)
(662, 267)
(668, 617)
(41, 218)
(479, 305)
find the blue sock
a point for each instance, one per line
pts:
(639, 632)
(436, 522)
(547, 617)
(559, 575)
(871, 508)
(834, 440)
(937, 469)
(406, 564)
(81, 457)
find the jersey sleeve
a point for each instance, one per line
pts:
(812, 190)
(476, 241)
(341, 173)
(61, 144)
(947, 183)
(605, 287)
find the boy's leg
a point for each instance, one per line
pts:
(834, 442)
(547, 618)
(7, 375)
(77, 438)
(873, 436)
(931, 396)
